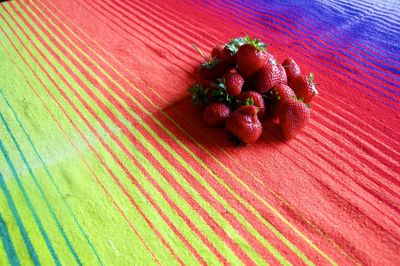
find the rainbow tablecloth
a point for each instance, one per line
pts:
(104, 160)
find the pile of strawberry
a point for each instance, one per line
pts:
(240, 83)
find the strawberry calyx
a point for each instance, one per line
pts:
(221, 93)
(311, 80)
(248, 101)
(234, 44)
(199, 94)
(301, 100)
(209, 63)
(256, 43)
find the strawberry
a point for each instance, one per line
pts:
(284, 79)
(251, 56)
(223, 54)
(279, 94)
(232, 47)
(219, 52)
(293, 116)
(227, 52)
(291, 68)
(304, 87)
(234, 83)
(282, 92)
(269, 75)
(216, 113)
(244, 124)
(256, 99)
(212, 68)
(216, 52)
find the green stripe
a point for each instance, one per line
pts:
(7, 242)
(28, 201)
(18, 220)
(102, 220)
(50, 176)
(60, 228)
(93, 207)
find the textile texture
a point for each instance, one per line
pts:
(105, 160)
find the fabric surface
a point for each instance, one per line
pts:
(104, 159)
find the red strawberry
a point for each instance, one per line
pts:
(212, 68)
(222, 53)
(216, 113)
(293, 116)
(244, 124)
(251, 57)
(269, 75)
(283, 73)
(283, 92)
(280, 94)
(216, 52)
(234, 83)
(304, 87)
(256, 99)
(291, 68)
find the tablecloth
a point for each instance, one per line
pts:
(104, 159)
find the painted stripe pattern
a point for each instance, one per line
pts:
(105, 161)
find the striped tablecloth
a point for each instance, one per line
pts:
(104, 159)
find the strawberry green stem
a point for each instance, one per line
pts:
(201, 53)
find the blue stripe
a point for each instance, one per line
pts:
(328, 55)
(52, 179)
(24, 233)
(324, 17)
(301, 46)
(317, 30)
(8, 244)
(28, 201)
(314, 29)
